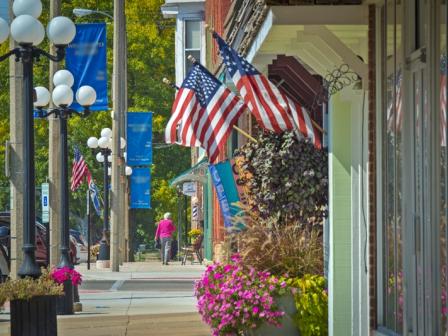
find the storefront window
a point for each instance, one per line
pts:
(443, 167)
(192, 42)
(392, 176)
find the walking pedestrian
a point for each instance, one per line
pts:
(164, 231)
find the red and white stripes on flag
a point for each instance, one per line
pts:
(203, 113)
(79, 170)
(395, 117)
(443, 103)
(273, 110)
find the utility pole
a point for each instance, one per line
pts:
(54, 147)
(16, 157)
(119, 107)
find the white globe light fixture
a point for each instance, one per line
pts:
(25, 29)
(92, 142)
(4, 30)
(42, 96)
(61, 30)
(125, 155)
(122, 143)
(86, 95)
(128, 171)
(109, 158)
(100, 157)
(106, 132)
(62, 96)
(103, 142)
(27, 7)
(109, 171)
(63, 77)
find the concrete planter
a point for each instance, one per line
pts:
(34, 317)
(287, 304)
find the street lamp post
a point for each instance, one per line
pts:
(104, 143)
(62, 97)
(28, 32)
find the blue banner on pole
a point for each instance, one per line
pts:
(140, 188)
(139, 138)
(222, 197)
(86, 60)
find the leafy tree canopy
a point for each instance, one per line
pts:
(150, 57)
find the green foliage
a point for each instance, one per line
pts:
(312, 304)
(285, 178)
(150, 57)
(25, 289)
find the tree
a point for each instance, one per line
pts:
(150, 47)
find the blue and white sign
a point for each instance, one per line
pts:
(140, 188)
(222, 198)
(139, 139)
(45, 199)
(86, 60)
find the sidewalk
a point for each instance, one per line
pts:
(144, 298)
(143, 270)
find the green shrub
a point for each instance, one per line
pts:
(312, 304)
(27, 288)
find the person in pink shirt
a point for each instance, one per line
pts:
(165, 231)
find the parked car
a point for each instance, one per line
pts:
(41, 244)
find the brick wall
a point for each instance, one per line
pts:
(215, 15)
(372, 171)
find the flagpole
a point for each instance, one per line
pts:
(236, 128)
(88, 227)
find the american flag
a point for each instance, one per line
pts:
(203, 112)
(79, 169)
(273, 110)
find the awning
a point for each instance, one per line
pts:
(197, 173)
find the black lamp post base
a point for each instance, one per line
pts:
(29, 267)
(65, 261)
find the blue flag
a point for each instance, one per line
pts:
(86, 60)
(94, 196)
(139, 138)
(140, 188)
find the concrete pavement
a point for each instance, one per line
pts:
(145, 298)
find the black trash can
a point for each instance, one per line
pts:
(174, 249)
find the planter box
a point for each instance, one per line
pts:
(65, 302)
(34, 317)
(287, 304)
